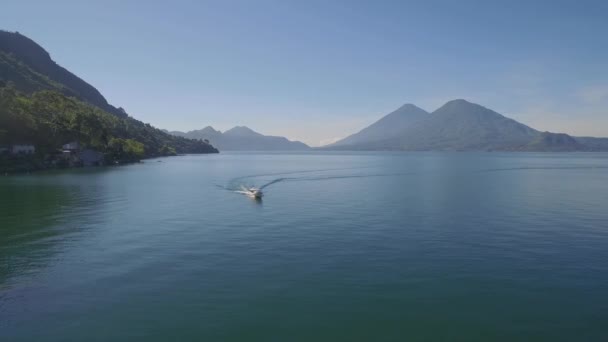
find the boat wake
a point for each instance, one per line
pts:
(552, 168)
(261, 175)
(245, 184)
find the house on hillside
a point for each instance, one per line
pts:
(68, 152)
(76, 155)
(23, 149)
(71, 147)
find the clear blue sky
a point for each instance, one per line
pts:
(320, 70)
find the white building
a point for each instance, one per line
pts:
(23, 149)
(73, 146)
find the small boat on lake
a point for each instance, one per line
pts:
(255, 193)
(252, 192)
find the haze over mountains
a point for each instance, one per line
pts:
(459, 125)
(241, 138)
(27, 68)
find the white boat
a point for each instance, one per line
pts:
(253, 192)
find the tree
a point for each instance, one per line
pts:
(125, 149)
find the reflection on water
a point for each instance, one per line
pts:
(29, 219)
(39, 213)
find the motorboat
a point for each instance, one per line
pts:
(253, 192)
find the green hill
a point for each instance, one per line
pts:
(43, 104)
(31, 69)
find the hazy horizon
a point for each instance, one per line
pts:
(316, 72)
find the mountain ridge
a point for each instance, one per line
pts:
(388, 126)
(460, 125)
(45, 105)
(38, 60)
(242, 138)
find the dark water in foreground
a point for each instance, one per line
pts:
(344, 247)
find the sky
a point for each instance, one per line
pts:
(317, 71)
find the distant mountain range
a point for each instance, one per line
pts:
(241, 138)
(459, 125)
(46, 105)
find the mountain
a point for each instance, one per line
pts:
(390, 126)
(460, 125)
(31, 69)
(553, 142)
(44, 104)
(241, 138)
(201, 134)
(242, 132)
(593, 144)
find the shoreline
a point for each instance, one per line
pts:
(19, 170)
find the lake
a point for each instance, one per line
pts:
(343, 247)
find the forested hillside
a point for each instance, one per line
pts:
(30, 68)
(49, 119)
(44, 105)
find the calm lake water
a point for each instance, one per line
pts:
(343, 247)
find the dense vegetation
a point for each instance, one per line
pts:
(49, 119)
(31, 69)
(43, 104)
